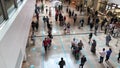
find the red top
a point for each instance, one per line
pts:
(45, 42)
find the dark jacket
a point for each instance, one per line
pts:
(61, 63)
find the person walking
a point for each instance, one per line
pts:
(75, 18)
(83, 60)
(33, 38)
(44, 19)
(61, 63)
(108, 39)
(90, 36)
(96, 28)
(37, 25)
(93, 47)
(118, 59)
(91, 24)
(72, 13)
(69, 13)
(46, 10)
(102, 55)
(45, 44)
(37, 16)
(33, 26)
(47, 19)
(103, 23)
(80, 45)
(108, 53)
(67, 9)
(68, 27)
(82, 22)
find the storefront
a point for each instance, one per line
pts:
(6, 7)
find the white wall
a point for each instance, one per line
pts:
(15, 38)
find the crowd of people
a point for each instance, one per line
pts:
(111, 28)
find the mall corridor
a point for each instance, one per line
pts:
(41, 33)
(61, 43)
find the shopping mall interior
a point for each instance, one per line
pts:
(59, 33)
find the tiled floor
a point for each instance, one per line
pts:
(36, 58)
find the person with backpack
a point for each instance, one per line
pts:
(83, 60)
(61, 63)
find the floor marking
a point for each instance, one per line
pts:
(63, 48)
(33, 49)
(55, 47)
(32, 66)
(42, 50)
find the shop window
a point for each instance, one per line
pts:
(1, 14)
(9, 4)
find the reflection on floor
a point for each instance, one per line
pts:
(61, 47)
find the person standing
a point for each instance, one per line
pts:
(102, 55)
(118, 59)
(61, 63)
(108, 39)
(83, 60)
(108, 53)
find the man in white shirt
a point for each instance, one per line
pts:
(102, 55)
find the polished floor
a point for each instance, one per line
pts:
(61, 46)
